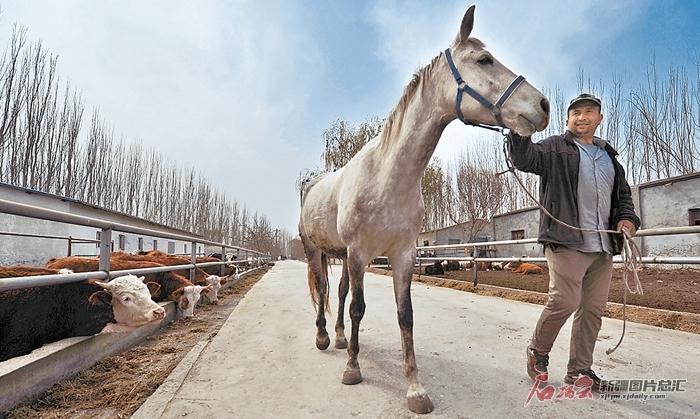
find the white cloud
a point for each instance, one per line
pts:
(216, 85)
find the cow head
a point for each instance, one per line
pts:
(211, 291)
(187, 298)
(130, 299)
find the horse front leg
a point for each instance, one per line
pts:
(356, 272)
(402, 271)
(340, 341)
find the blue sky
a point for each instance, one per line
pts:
(243, 89)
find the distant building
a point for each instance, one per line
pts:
(672, 202)
(515, 225)
(455, 234)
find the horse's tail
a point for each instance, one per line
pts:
(314, 287)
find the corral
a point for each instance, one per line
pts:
(64, 303)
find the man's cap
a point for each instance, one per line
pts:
(584, 97)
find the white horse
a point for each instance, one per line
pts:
(374, 206)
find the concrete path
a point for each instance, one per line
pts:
(470, 351)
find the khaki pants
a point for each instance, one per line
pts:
(578, 282)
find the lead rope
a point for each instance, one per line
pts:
(631, 255)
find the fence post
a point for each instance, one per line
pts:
(105, 249)
(420, 263)
(194, 260)
(475, 266)
(70, 245)
(223, 259)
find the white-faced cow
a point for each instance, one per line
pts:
(32, 317)
(214, 282)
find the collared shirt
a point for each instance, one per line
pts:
(596, 177)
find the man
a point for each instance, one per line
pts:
(581, 184)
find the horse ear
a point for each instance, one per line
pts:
(467, 25)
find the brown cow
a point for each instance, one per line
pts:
(156, 256)
(529, 268)
(173, 286)
(32, 317)
(215, 270)
(83, 264)
(511, 266)
(179, 289)
(215, 282)
(484, 266)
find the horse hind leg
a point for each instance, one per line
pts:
(356, 271)
(340, 341)
(318, 287)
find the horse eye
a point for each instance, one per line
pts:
(485, 60)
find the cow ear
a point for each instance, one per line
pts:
(223, 280)
(175, 295)
(153, 288)
(100, 297)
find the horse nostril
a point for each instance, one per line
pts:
(545, 105)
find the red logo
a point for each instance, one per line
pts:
(580, 389)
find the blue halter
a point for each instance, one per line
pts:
(463, 87)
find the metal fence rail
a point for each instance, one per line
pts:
(105, 245)
(58, 279)
(70, 240)
(666, 231)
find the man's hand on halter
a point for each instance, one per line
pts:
(627, 225)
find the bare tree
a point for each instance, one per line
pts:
(434, 188)
(342, 141)
(476, 193)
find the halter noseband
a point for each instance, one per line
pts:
(462, 87)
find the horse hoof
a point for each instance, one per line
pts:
(352, 376)
(322, 342)
(420, 403)
(341, 343)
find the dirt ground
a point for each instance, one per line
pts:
(664, 289)
(669, 289)
(117, 386)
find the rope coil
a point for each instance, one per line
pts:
(631, 255)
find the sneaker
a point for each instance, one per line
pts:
(537, 365)
(591, 379)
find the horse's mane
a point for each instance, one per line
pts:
(423, 74)
(396, 116)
